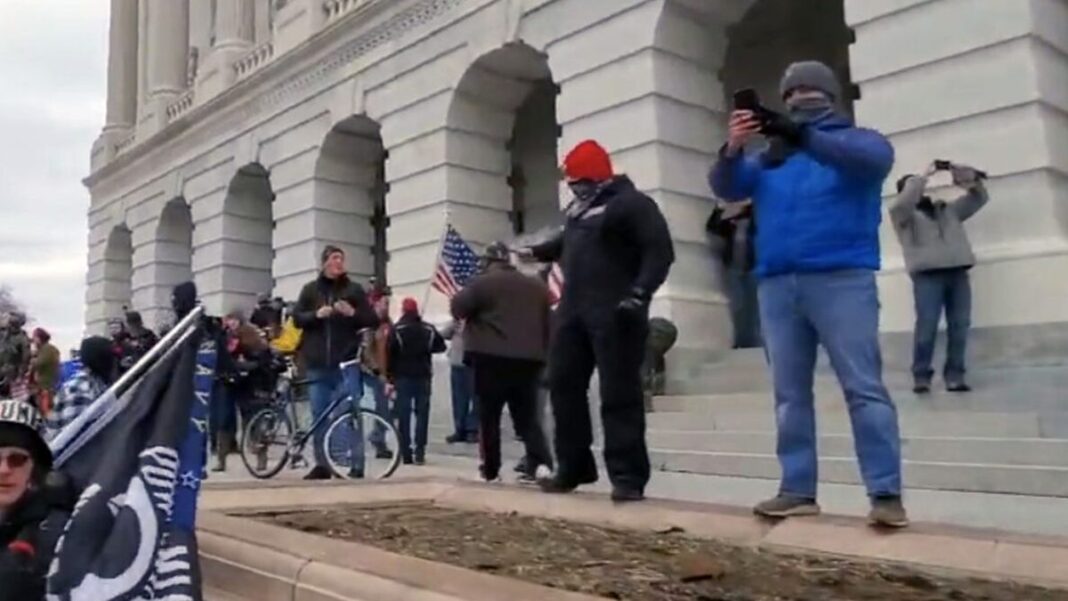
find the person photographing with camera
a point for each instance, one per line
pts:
(938, 257)
(816, 194)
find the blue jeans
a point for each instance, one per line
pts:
(933, 291)
(378, 393)
(839, 310)
(464, 409)
(413, 394)
(326, 385)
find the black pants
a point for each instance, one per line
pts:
(501, 381)
(615, 347)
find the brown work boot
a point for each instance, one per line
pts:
(787, 506)
(888, 512)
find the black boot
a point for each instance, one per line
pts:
(319, 473)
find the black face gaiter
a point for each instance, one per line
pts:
(585, 190)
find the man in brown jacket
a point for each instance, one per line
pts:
(506, 337)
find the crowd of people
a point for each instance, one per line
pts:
(798, 223)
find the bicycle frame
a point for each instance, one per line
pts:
(300, 441)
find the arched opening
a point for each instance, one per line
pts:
(775, 33)
(247, 231)
(350, 196)
(505, 107)
(174, 239)
(118, 271)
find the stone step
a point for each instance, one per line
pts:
(1028, 480)
(831, 399)
(999, 451)
(1006, 451)
(913, 423)
(1017, 382)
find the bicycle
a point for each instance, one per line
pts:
(273, 429)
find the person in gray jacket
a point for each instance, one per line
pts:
(938, 257)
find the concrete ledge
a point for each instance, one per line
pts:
(261, 561)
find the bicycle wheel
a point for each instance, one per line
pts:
(265, 444)
(376, 437)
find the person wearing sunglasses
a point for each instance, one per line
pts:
(29, 526)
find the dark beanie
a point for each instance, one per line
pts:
(184, 299)
(810, 74)
(329, 250)
(134, 318)
(20, 425)
(97, 355)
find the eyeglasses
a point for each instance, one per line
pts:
(15, 460)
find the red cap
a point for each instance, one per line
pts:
(22, 547)
(589, 160)
(409, 305)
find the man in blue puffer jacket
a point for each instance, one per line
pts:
(817, 196)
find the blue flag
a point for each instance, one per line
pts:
(131, 535)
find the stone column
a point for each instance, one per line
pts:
(122, 66)
(234, 35)
(234, 24)
(168, 49)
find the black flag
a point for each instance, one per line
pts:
(122, 542)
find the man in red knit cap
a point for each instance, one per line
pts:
(615, 252)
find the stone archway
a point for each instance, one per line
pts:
(247, 233)
(350, 198)
(504, 131)
(774, 33)
(117, 272)
(172, 261)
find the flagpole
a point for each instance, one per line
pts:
(437, 259)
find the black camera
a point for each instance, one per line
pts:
(944, 165)
(747, 99)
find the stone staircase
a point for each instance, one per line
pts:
(1009, 436)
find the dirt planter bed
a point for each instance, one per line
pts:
(443, 541)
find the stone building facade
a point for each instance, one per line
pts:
(243, 135)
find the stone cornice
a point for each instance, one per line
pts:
(288, 76)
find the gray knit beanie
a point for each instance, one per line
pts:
(811, 74)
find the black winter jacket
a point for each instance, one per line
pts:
(328, 342)
(620, 243)
(411, 345)
(35, 522)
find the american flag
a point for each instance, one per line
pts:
(556, 284)
(456, 265)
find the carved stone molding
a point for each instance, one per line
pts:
(237, 106)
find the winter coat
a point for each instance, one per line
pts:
(14, 357)
(411, 346)
(932, 233)
(618, 243)
(46, 367)
(506, 314)
(819, 206)
(37, 526)
(327, 342)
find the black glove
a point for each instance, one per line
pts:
(635, 304)
(778, 125)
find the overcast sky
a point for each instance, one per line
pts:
(53, 72)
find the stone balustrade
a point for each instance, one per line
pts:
(254, 60)
(335, 9)
(180, 106)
